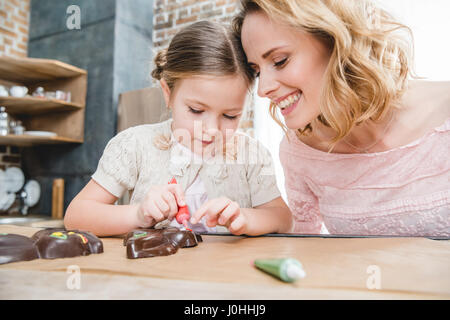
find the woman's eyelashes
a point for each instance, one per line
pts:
(277, 64)
(280, 63)
(196, 111)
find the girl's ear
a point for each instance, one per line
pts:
(166, 91)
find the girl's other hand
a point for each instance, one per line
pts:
(222, 211)
(160, 203)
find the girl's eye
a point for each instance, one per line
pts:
(195, 110)
(230, 117)
(280, 63)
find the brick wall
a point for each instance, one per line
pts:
(14, 21)
(172, 15)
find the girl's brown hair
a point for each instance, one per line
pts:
(202, 48)
(370, 60)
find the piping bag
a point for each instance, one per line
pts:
(287, 269)
(183, 214)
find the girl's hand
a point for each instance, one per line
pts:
(222, 211)
(160, 203)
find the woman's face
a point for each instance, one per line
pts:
(291, 66)
(206, 110)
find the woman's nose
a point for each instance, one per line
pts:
(267, 84)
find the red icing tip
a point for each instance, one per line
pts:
(186, 225)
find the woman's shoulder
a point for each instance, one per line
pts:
(425, 107)
(431, 99)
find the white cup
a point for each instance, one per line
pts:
(18, 91)
(3, 91)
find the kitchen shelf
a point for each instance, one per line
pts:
(31, 70)
(66, 119)
(25, 140)
(33, 105)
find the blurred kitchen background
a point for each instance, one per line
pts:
(114, 41)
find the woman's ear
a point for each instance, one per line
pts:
(166, 91)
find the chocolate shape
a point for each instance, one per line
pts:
(55, 243)
(49, 243)
(180, 238)
(15, 247)
(50, 247)
(143, 243)
(149, 244)
(94, 244)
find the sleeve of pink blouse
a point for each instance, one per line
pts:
(301, 200)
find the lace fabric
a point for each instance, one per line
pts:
(403, 191)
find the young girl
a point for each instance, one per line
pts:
(225, 178)
(367, 149)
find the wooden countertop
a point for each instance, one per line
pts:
(221, 268)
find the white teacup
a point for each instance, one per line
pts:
(18, 91)
(3, 91)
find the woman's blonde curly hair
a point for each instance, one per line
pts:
(370, 56)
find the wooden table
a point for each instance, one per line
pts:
(221, 268)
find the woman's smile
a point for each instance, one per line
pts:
(289, 103)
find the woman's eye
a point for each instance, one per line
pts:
(280, 63)
(195, 110)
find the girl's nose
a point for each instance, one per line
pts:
(210, 127)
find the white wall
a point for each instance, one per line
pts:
(430, 23)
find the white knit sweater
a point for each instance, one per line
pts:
(132, 162)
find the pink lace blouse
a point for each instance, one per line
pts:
(403, 191)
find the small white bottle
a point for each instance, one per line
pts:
(4, 122)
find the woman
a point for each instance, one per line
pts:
(366, 148)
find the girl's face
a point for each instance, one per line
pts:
(290, 64)
(206, 110)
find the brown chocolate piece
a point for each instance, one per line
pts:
(48, 244)
(60, 243)
(15, 247)
(181, 238)
(143, 243)
(81, 239)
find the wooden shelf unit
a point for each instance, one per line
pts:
(66, 119)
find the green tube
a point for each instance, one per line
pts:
(286, 269)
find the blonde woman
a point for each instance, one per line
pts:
(366, 149)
